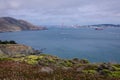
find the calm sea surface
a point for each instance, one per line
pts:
(94, 45)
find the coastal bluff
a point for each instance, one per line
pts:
(16, 50)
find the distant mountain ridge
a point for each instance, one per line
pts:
(84, 26)
(99, 25)
(9, 24)
(106, 25)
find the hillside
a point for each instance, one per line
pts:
(48, 67)
(12, 49)
(9, 24)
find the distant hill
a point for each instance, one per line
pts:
(84, 26)
(106, 25)
(9, 24)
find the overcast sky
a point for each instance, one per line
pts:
(47, 12)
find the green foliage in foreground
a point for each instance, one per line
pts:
(33, 67)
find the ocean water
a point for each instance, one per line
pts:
(94, 45)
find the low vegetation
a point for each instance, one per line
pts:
(47, 67)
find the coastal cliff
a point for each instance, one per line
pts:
(16, 50)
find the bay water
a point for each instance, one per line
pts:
(83, 43)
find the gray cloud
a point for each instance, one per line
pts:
(62, 11)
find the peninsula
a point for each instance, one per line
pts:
(9, 24)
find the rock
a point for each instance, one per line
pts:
(66, 68)
(79, 69)
(47, 69)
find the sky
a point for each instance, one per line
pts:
(68, 12)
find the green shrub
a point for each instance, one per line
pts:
(89, 71)
(75, 59)
(116, 68)
(84, 61)
(116, 74)
(66, 63)
(106, 72)
(5, 59)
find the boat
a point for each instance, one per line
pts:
(98, 28)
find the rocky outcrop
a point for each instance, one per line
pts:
(46, 69)
(8, 24)
(16, 50)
